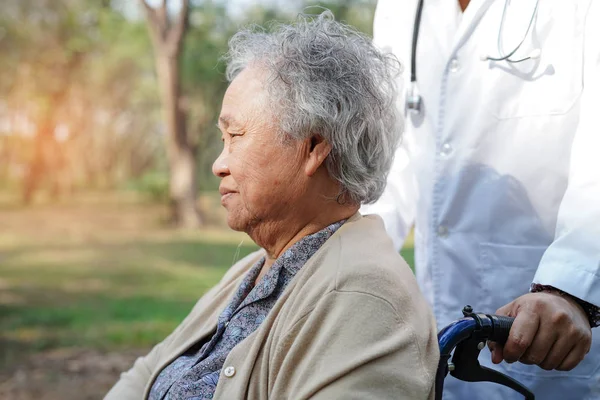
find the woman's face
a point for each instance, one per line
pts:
(262, 179)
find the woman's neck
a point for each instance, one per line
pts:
(278, 236)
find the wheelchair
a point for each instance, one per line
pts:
(467, 337)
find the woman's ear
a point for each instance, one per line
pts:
(319, 149)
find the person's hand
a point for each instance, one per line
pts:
(549, 330)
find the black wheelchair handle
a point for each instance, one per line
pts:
(495, 328)
(500, 328)
(467, 337)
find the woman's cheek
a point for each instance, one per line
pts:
(256, 167)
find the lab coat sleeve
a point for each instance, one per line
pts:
(572, 262)
(397, 205)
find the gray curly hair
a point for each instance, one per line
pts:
(329, 79)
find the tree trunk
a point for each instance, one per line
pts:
(182, 156)
(43, 163)
(167, 39)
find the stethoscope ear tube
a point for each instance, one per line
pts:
(413, 98)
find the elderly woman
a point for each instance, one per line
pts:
(326, 309)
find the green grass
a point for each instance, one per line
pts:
(103, 276)
(106, 296)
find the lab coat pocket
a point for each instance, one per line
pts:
(508, 272)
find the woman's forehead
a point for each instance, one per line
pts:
(246, 96)
(249, 84)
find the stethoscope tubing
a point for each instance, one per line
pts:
(413, 100)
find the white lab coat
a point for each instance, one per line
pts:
(501, 171)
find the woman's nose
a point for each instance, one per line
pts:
(220, 167)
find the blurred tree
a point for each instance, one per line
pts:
(79, 102)
(167, 37)
(40, 92)
(69, 87)
(115, 107)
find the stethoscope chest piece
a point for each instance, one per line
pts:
(413, 99)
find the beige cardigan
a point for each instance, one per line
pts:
(352, 324)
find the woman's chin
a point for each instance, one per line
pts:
(235, 222)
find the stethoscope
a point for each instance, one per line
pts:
(413, 97)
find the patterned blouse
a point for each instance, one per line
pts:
(195, 374)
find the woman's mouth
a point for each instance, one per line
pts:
(226, 196)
